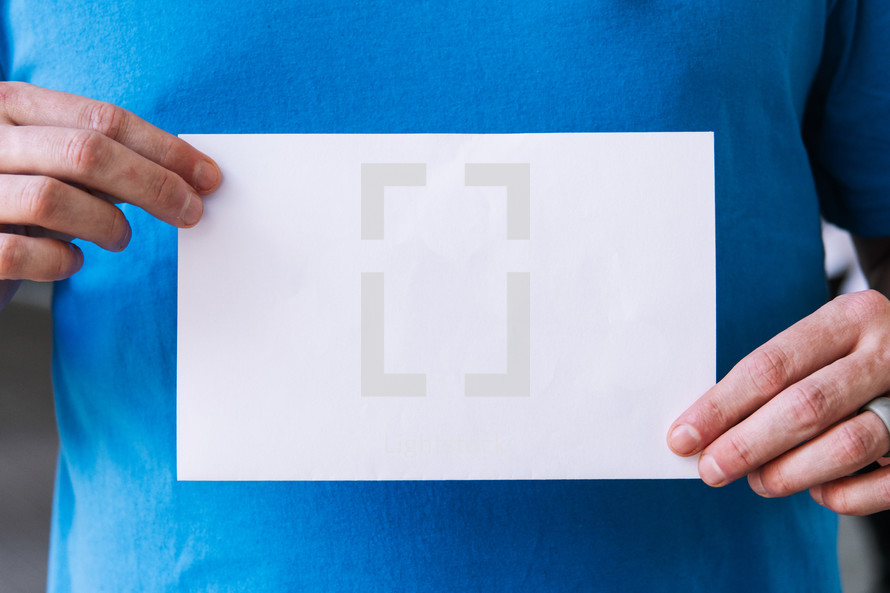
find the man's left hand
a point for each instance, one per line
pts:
(787, 416)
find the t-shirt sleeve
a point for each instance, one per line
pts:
(847, 125)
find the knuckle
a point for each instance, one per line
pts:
(106, 119)
(877, 351)
(168, 150)
(164, 193)
(810, 405)
(41, 199)
(872, 354)
(776, 482)
(836, 498)
(854, 444)
(875, 336)
(712, 413)
(865, 307)
(767, 368)
(883, 492)
(85, 150)
(869, 312)
(7, 94)
(879, 360)
(10, 257)
(11, 94)
(741, 452)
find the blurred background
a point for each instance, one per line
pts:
(28, 442)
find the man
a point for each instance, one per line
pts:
(778, 84)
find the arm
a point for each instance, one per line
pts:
(64, 162)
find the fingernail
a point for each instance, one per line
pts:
(710, 472)
(684, 440)
(191, 210)
(816, 493)
(757, 484)
(78, 256)
(126, 240)
(206, 177)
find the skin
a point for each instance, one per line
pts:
(65, 161)
(787, 415)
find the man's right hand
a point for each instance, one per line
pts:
(64, 161)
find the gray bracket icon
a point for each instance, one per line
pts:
(516, 177)
(376, 382)
(516, 382)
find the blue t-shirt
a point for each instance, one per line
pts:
(789, 89)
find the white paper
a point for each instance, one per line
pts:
(609, 259)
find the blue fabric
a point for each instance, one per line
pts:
(850, 146)
(741, 69)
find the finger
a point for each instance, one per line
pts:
(28, 105)
(43, 260)
(40, 232)
(48, 203)
(97, 162)
(798, 414)
(861, 494)
(812, 343)
(840, 451)
(35, 231)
